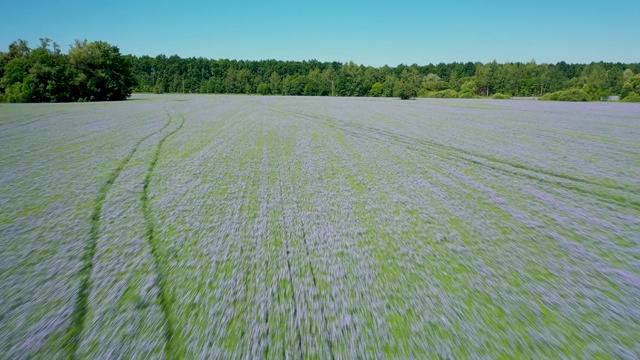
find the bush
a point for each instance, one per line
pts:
(550, 96)
(500, 96)
(444, 94)
(433, 86)
(568, 95)
(145, 89)
(469, 90)
(158, 89)
(632, 97)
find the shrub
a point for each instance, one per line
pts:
(632, 97)
(158, 88)
(568, 95)
(432, 86)
(444, 94)
(469, 90)
(500, 96)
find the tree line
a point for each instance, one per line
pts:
(561, 81)
(94, 71)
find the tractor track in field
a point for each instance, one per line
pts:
(45, 148)
(158, 259)
(78, 314)
(448, 152)
(451, 153)
(290, 273)
(325, 323)
(17, 124)
(319, 299)
(291, 227)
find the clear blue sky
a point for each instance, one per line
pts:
(368, 32)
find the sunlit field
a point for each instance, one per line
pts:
(197, 226)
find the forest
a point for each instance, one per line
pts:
(97, 71)
(172, 74)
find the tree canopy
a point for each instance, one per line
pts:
(92, 71)
(164, 74)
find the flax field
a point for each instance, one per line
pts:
(241, 227)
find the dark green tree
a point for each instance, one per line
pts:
(403, 90)
(101, 72)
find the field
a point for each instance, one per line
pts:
(200, 226)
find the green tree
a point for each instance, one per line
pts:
(15, 71)
(263, 89)
(627, 74)
(412, 80)
(377, 90)
(50, 73)
(38, 75)
(482, 77)
(274, 83)
(454, 83)
(244, 81)
(286, 85)
(469, 90)
(622, 79)
(403, 90)
(631, 87)
(351, 81)
(431, 77)
(20, 92)
(596, 80)
(430, 84)
(316, 84)
(102, 73)
(389, 84)
(230, 81)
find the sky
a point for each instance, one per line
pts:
(374, 33)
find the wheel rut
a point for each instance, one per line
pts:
(621, 195)
(73, 336)
(287, 246)
(159, 259)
